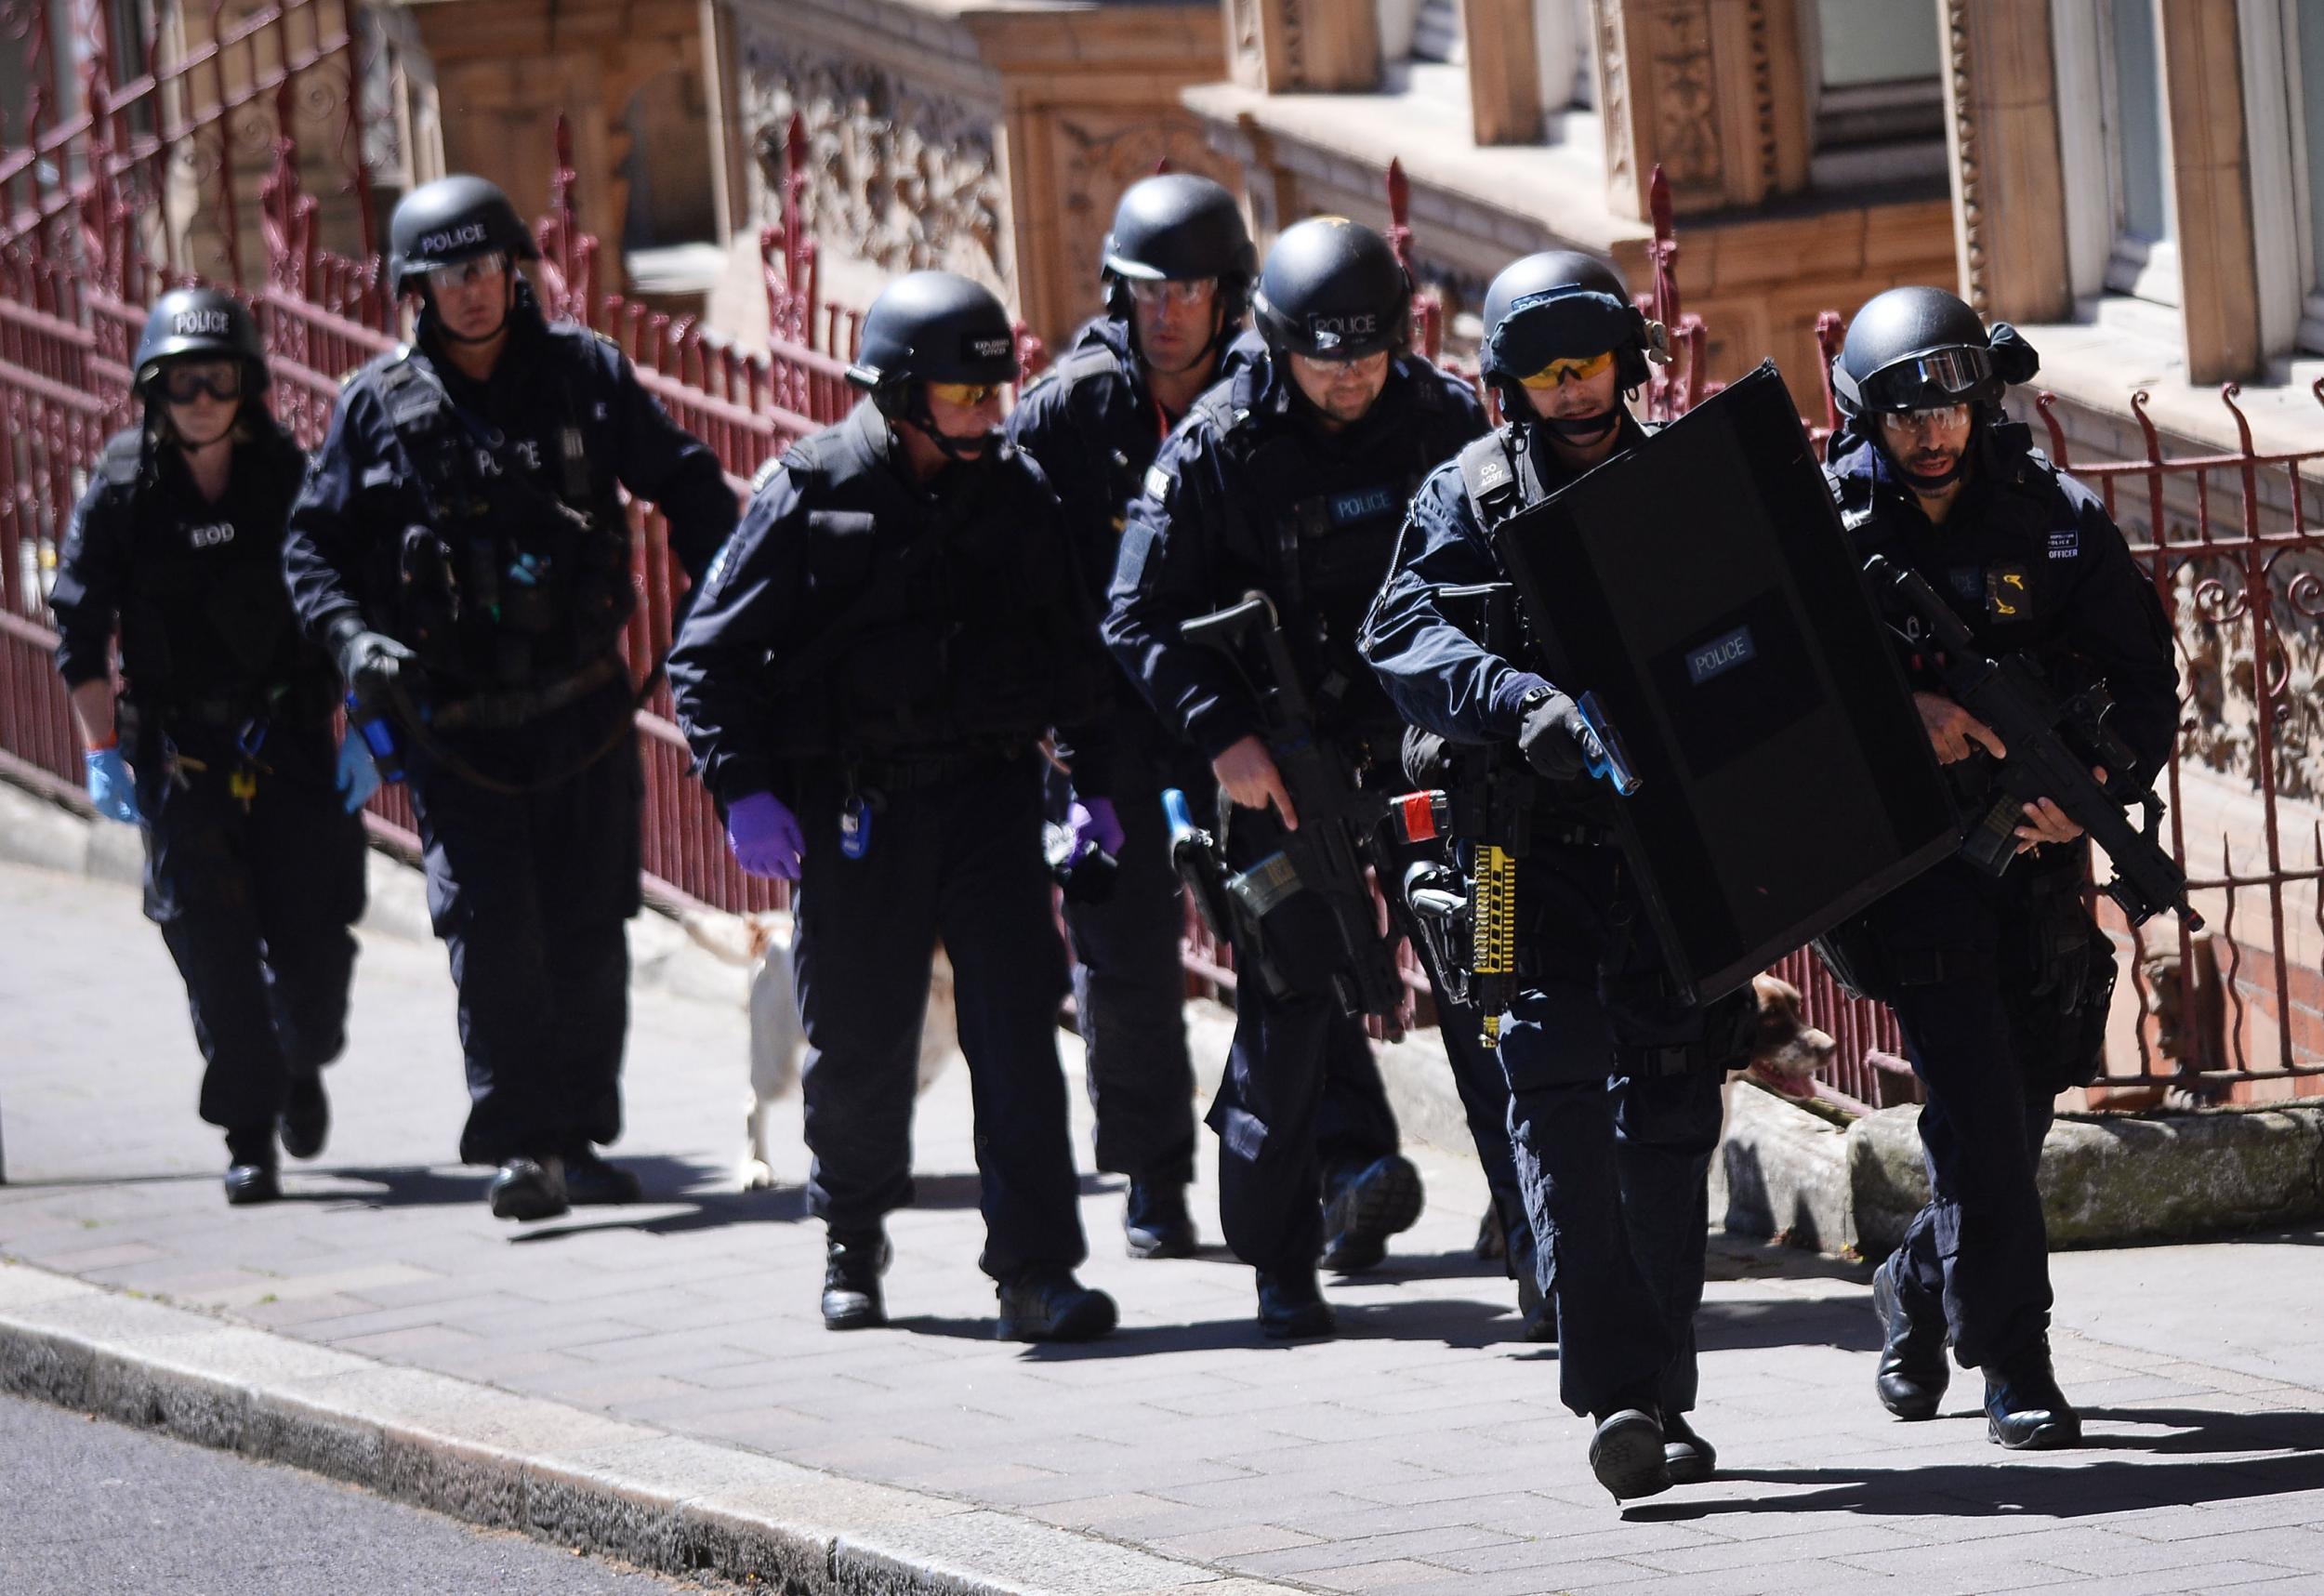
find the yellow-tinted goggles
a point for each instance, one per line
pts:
(1577, 369)
(967, 394)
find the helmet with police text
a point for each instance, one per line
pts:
(1332, 289)
(450, 220)
(933, 326)
(1923, 349)
(200, 324)
(1173, 226)
(1564, 304)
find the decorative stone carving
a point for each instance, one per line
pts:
(1961, 102)
(1623, 192)
(2219, 721)
(909, 179)
(1097, 161)
(1686, 94)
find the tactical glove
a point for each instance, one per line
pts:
(1552, 740)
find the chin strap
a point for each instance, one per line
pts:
(1583, 429)
(960, 451)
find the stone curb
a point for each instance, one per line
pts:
(2107, 1180)
(559, 1473)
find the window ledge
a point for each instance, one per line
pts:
(2120, 346)
(1420, 116)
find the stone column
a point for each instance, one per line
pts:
(2211, 173)
(1277, 46)
(1504, 72)
(1712, 90)
(2008, 175)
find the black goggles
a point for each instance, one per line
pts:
(1557, 323)
(1930, 380)
(184, 383)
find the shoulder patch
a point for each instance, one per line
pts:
(765, 473)
(1158, 485)
(2066, 542)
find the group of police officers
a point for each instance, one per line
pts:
(894, 674)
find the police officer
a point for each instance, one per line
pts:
(2000, 985)
(461, 546)
(865, 681)
(1614, 1088)
(224, 748)
(1288, 479)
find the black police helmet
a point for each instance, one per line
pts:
(933, 326)
(1333, 289)
(200, 324)
(1920, 349)
(1564, 304)
(450, 220)
(1176, 225)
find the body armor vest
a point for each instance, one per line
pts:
(948, 629)
(1326, 513)
(206, 622)
(514, 583)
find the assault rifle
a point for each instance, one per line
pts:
(1468, 915)
(2053, 743)
(1324, 860)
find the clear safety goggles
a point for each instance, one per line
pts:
(1576, 368)
(184, 383)
(1935, 417)
(1180, 293)
(475, 269)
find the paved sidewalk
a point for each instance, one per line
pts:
(1423, 1451)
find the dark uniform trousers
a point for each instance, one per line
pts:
(529, 892)
(955, 859)
(254, 906)
(1978, 1249)
(1302, 1094)
(1612, 1155)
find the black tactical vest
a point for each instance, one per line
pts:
(515, 582)
(206, 622)
(1326, 512)
(942, 628)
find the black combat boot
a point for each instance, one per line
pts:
(250, 1168)
(1364, 1206)
(1154, 1220)
(528, 1188)
(2023, 1409)
(590, 1182)
(1627, 1454)
(854, 1262)
(1050, 1305)
(1690, 1458)
(1291, 1307)
(1912, 1373)
(306, 1115)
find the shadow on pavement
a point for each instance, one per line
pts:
(1845, 1323)
(2063, 1486)
(1454, 1322)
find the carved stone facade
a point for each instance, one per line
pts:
(990, 140)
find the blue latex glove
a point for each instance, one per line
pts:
(1095, 822)
(357, 777)
(111, 788)
(765, 837)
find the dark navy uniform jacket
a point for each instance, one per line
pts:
(858, 615)
(365, 489)
(196, 586)
(2030, 558)
(1440, 678)
(1251, 494)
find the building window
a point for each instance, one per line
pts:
(2303, 27)
(1877, 94)
(2144, 260)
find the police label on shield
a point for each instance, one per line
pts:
(1614, 1085)
(2000, 982)
(1285, 484)
(865, 681)
(222, 749)
(461, 546)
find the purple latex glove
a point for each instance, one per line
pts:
(1095, 822)
(764, 834)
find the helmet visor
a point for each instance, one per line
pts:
(1926, 381)
(1566, 324)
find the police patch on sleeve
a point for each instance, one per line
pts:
(1158, 485)
(2065, 543)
